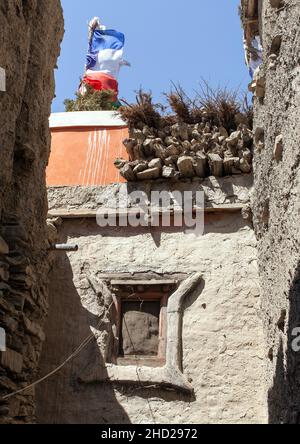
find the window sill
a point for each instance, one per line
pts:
(141, 361)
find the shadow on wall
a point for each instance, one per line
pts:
(214, 223)
(62, 399)
(284, 396)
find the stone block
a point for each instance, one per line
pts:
(200, 164)
(127, 173)
(3, 246)
(228, 165)
(4, 273)
(216, 165)
(12, 361)
(169, 172)
(185, 166)
(233, 138)
(33, 328)
(276, 3)
(2, 80)
(245, 166)
(142, 166)
(155, 163)
(149, 174)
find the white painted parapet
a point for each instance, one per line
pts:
(86, 119)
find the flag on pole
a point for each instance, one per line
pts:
(104, 58)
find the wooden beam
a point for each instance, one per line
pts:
(2, 80)
(145, 282)
(140, 276)
(92, 214)
(252, 8)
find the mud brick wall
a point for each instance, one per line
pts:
(30, 37)
(276, 203)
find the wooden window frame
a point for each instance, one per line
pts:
(150, 296)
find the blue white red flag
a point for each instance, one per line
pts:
(106, 49)
(104, 58)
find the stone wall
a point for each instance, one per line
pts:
(30, 36)
(218, 192)
(222, 331)
(184, 150)
(276, 203)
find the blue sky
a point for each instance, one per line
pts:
(166, 41)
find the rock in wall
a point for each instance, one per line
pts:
(276, 203)
(30, 37)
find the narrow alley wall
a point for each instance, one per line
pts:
(276, 203)
(31, 32)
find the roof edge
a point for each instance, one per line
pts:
(86, 119)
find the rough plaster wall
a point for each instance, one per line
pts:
(276, 209)
(217, 191)
(222, 331)
(29, 45)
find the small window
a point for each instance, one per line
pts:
(139, 328)
(141, 320)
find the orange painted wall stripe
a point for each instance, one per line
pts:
(85, 156)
